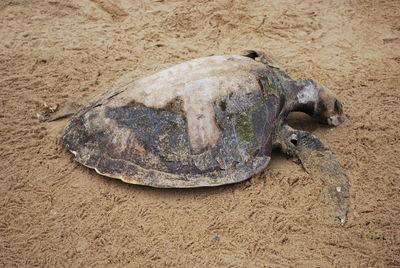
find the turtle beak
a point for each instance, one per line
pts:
(335, 120)
(329, 109)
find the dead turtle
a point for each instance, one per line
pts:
(207, 122)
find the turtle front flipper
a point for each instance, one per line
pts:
(320, 163)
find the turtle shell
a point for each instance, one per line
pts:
(205, 122)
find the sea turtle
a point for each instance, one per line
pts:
(207, 122)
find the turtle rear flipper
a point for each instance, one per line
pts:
(320, 163)
(56, 112)
(263, 57)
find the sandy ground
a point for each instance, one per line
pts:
(57, 213)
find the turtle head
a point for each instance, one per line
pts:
(319, 102)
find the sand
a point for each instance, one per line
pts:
(57, 213)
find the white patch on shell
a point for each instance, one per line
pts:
(308, 94)
(198, 83)
(120, 139)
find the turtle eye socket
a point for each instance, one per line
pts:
(322, 108)
(338, 107)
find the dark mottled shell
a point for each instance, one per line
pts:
(205, 122)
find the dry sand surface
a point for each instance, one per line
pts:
(57, 213)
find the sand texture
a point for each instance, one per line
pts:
(56, 213)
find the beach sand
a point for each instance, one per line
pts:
(55, 212)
